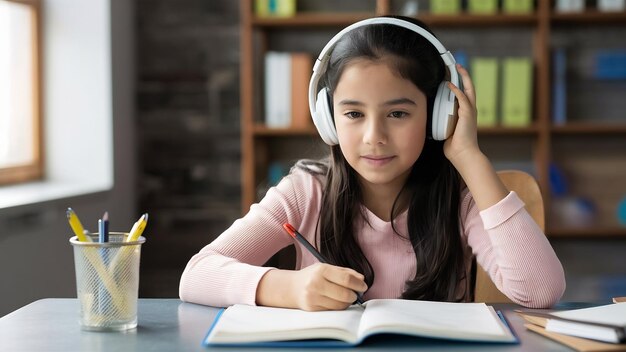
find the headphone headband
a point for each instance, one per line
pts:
(322, 60)
(444, 110)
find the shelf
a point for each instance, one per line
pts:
(264, 131)
(460, 20)
(589, 128)
(504, 131)
(542, 140)
(591, 232)
(261, 130)
(311, 19)
(468, 20)
(587, 17)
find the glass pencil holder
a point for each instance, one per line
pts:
(107, 281)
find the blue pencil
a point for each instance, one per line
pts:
(103, 228)
(103, 237)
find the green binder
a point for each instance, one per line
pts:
(485, 78)
(517, 82)
(442, 7)
(517, 6)
(482, 6)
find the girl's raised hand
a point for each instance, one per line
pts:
(326, 287)
(464, 139)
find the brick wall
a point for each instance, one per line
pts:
(188, 137)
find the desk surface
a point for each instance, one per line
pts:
(171, 325)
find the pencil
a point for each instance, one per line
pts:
(103, 228)
(137, 228)
(76, 225)
(298, 236)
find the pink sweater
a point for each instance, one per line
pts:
(507, 243)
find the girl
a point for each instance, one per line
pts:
(397, 213)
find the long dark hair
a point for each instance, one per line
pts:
(433, 184)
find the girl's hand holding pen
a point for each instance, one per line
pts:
(327, 287)
(317, 287)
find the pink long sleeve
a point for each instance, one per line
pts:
(504, 238)
(511, 247)
(228, 270)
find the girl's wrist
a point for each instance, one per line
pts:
(275, 289)
(467, 159)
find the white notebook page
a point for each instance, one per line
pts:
(244, 319)
(436, 319)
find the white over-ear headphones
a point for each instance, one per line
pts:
(444, 110)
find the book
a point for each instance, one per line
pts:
(277, 89)
(605, 323)
(482, 6)
(242, 325)
(517, 6)
(611, 5)
(559, 86)
(286, 89)
(564, 6)
(536, 325)
(517, 83)
(442, 7)
(275, 8)
(610, 64)
(301, 70)
(485, 77)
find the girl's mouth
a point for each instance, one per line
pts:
(377, 160)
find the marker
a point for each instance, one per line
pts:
(296, 235)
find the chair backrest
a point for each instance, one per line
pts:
(528, 191)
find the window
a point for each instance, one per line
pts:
(20, 120)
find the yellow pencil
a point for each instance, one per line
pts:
(138, 228)
(76, 226)
(136, 231)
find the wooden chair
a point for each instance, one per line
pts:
(528, 190)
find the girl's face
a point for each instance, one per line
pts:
(381, 122)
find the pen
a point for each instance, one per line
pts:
(298, 236)
(103, 237)
(103, 228)
(76, 225)
(138, 228)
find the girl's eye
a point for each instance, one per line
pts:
(353, 114)
(398, 114)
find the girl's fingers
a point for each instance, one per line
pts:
(326, 303)
(468, 85)
(330, 287)
(340, 295)
(347, 278)
(460, 96)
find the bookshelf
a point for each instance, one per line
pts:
(583, 146)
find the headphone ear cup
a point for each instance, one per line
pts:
(323, 118)
(444, 113)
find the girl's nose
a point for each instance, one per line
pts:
(375, 132)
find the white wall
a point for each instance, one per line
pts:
(89, 100)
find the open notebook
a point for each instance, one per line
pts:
(242, 325)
